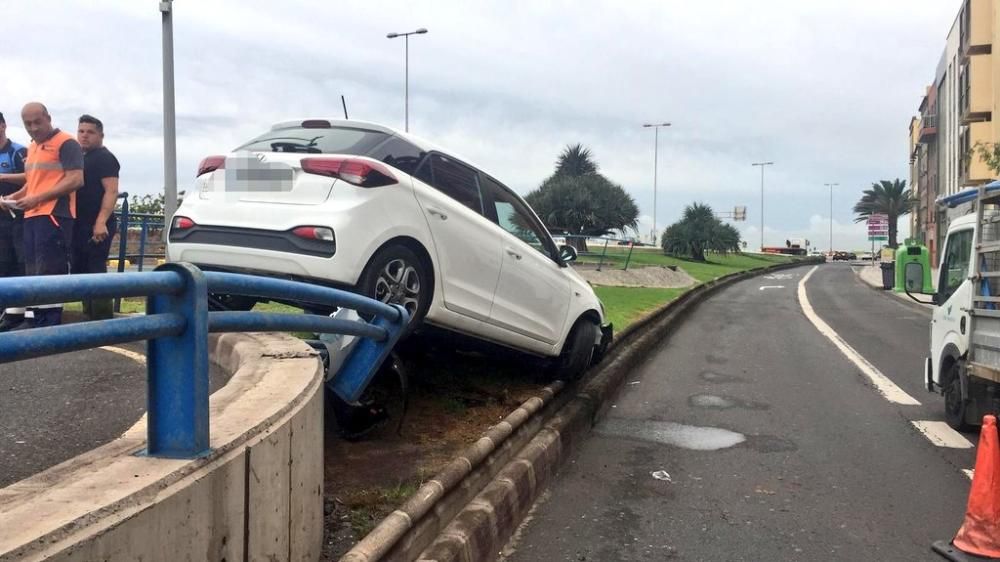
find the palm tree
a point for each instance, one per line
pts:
(890, 198)
(698, 231)
(575, 161)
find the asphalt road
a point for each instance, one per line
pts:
(54, 408)
(769, 443)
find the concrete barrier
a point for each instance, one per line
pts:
(258, 495)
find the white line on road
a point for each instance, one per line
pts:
(882, 384)
(941, 434)
(772, 287)
(122, 351)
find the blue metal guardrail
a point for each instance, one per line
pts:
(146, 222)
(176, 327)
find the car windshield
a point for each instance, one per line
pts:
(333, 140)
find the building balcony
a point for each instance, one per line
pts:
(972, 169)
(928, 128)
(975, 95)
(976, 32)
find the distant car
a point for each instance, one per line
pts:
(370, 209)
(866, 256)
(840, 256)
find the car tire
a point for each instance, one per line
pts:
(954, 406)
(397, 275)
(577, 353)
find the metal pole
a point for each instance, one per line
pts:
(169, 132)
(762, 208)
(656, 158)
(831, 186)
(406, 87)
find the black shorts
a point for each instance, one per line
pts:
(11, 247)
(47, 243)
(89, 256)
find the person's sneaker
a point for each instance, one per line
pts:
(11, 322)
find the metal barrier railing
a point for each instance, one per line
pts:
(619, 246)
(176, 327)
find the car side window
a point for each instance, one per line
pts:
(956, 262)
(455, 180)
(514, 217)
(399, 154)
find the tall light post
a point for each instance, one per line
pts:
(656, 158)
(169, 130)
(831, 186)
(406, 96)
(762, 165)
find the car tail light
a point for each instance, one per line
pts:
(182, 223)
(316, 124)
(362, 173)
(314, 233)
(211, 164)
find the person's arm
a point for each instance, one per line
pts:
(108, 202)
(71, 159)
(16, 179)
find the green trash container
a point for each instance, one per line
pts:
(913, 268)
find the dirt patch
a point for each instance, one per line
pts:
(652, 276)
(454, 397)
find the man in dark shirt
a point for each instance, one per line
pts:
(95, 208)
(11, 222)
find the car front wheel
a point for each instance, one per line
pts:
(577, 353)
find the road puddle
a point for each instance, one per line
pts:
(714, 402)
(691, 437)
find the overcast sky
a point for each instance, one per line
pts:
(824, 88)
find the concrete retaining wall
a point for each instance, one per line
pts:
(257, 495)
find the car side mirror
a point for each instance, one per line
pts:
(567, 253)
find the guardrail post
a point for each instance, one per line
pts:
(361, 365)
(122, 242)
(177, 371)
(142, 241)
(603, 254)
(629, 257)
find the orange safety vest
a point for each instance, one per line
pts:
(42, 171)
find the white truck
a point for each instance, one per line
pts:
(964, 361)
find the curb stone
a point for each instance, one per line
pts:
(476, 531)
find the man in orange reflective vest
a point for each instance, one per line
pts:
(53, 171)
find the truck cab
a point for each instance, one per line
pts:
(964, 361)
(950, 319)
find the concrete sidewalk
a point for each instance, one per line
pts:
(873, 277)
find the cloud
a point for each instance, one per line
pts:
(824, 88)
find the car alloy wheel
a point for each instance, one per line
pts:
(399, 283)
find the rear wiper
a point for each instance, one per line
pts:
(295, 147)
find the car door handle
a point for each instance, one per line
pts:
(437, 213)
(513, 254)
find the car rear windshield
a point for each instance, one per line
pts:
(334, 140)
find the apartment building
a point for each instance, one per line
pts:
(956, 114)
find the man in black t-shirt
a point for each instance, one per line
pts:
(95, 208)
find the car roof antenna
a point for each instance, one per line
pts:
(343, 102)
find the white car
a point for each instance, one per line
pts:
(364, 207)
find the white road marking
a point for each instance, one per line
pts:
(941, 434)
(968, 472)
(882, 384)
(779, 276)
(772, 287)
(138, 357)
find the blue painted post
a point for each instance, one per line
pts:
(122, 241)
(367, 356)
(177, 369)
(142, 241)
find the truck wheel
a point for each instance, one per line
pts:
(577, 353)
(954, 405)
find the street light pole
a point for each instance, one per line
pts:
(831, 186)
(762, 164)
(656, 158)
(169, 130)
(406, 71)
